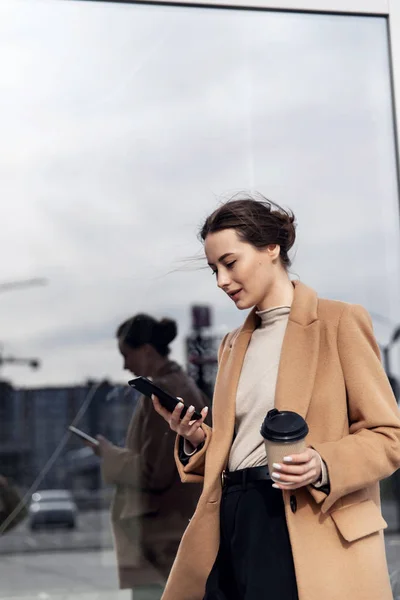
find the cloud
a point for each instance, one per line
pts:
(122, 124)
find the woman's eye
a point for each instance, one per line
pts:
(227, 266)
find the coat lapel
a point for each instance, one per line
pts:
(299, 356)
(297, 367)
(224, 404)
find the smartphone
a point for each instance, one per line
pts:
(147, 387)
(83, 435)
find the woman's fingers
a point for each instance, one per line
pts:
(302, 457)
(160, 409)
(175, 417)
(295, 469)
(185, 426)
(199, 422)
(194, 426)
(291, 486)
(305, 479)
(156, 404)
(300, 470)
(196, 423)
(188, 416)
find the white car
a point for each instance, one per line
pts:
(52, 507)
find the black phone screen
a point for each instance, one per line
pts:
(148, 388)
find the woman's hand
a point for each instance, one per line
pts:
(297, 470)
(99, 449)
(187, 427)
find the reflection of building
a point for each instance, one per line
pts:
(14, 446)
(33, 423)
(81, 465)
(202, 349)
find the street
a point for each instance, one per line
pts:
(93, 532)
(59, 564)
(90, 575)
(65, 576)
(80, 565)
(61, 575)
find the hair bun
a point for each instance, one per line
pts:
(287, 223)
(166, 331)
(257, 221)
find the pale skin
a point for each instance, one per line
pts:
(251, 277)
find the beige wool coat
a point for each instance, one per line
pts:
(330, 373)
(151, 507)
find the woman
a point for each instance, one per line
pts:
(311, 527)
(151, 507)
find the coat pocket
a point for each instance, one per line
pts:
(358, 520)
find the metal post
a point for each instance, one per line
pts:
(200, 372)
(386, 359)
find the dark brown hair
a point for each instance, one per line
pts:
(257, 222)
(144, 329)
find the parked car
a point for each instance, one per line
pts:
(52, 507)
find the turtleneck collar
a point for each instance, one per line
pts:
(272, 315)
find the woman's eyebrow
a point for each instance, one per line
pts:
(221, 258)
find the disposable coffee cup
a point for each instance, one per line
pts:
(284, 433)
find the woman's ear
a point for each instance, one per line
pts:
(147, 349)
(274, 251)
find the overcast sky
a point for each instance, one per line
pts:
(122, 126)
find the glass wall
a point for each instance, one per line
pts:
(122, 127)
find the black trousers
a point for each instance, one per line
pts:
(255, 558)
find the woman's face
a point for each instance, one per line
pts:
(135, 359)
(244, 272)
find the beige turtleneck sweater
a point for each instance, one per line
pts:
(256, 389)
(256, 392)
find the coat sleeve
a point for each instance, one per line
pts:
(150, 469)
(371, 451)
(193, 470)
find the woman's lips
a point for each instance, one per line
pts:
(235, 295)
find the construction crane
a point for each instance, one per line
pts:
(24, 283)
(34, 363)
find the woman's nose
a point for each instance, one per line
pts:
(223, 280)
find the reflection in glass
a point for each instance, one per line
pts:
(121, 127)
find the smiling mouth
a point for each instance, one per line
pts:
(234, 294)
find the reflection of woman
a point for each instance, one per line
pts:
(151, 507)
(315, 530)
